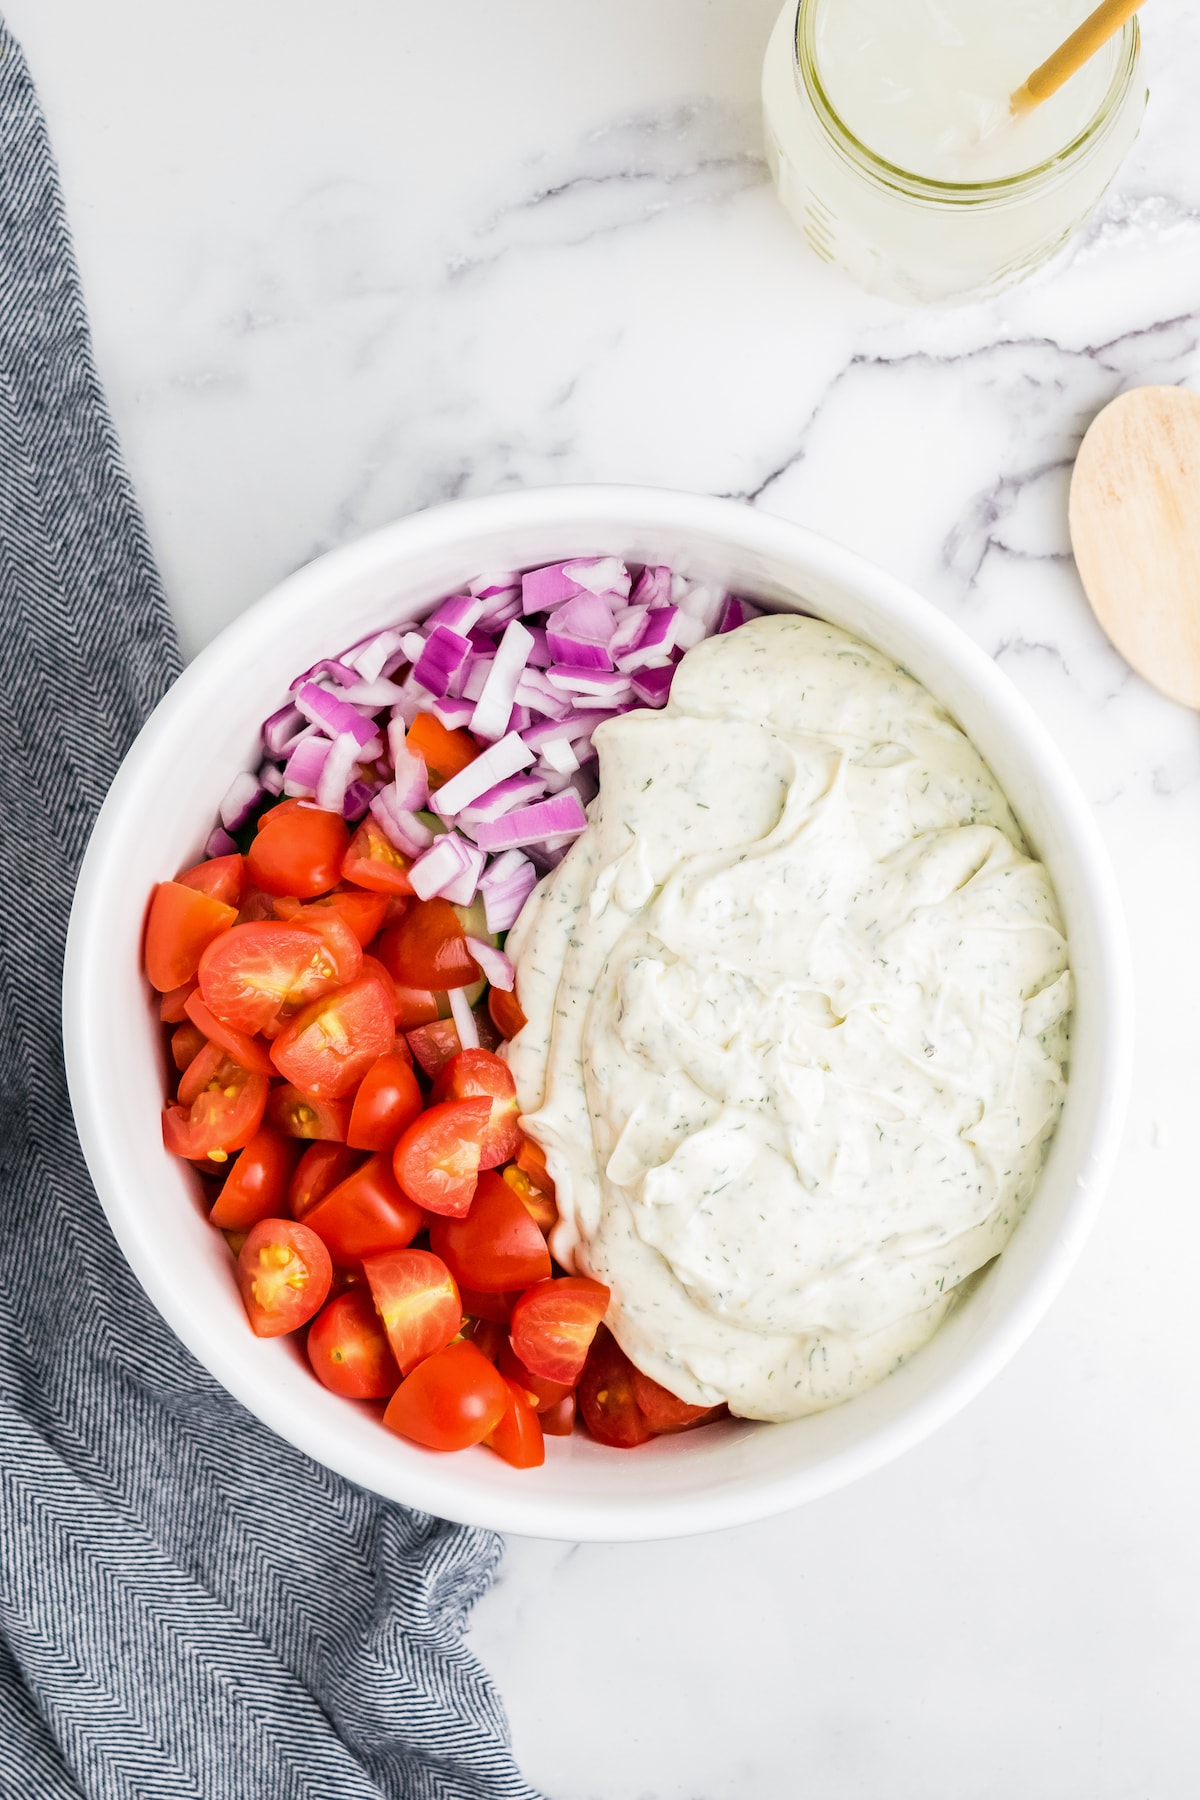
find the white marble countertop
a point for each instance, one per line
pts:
(344, 261)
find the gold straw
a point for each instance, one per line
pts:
(1082, 44)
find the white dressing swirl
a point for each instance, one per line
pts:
(798, 1006)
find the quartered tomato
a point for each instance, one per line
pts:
(506, 1013)
(437, 1159)
(182, 923)
(475, 1073)
(606, 1397)
(349, 1351)
(330, 1045)
(224, 877)
(415, 1296)
(432, 1046)
(559, 1420)
(487, 1335)
(443, 751)
(253, 971)
(416, 1006)
(365, 1214)
(540, 1207)
(518, 1437)
(186, 1044)
(298, 853)
(487, 1306)
(553, 1325)
(318, 1172)
(662, 1410)
(172, 1008)
(387, 1101)
(222, 1110)
(283, 1272)
(363, 913)
(531, 1160)
(427, 948)
(374, 968)
(546, 1393)
(373, 862)
(251, 1052)
(256, 1186)
(496, 1247)
(453, 1399)
(298, 1115)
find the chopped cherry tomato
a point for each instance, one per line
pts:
(283, 1271)
(485, 1031)
(487, 1306)
(386, 1103)
(187, 1041)
(559, 1420)
(298, 853)
(417, 1300)
(252, 971)
(518, 1437)
(540, 1207)
(281, 809)
(453, 1399)
(224, 877)
(506, 1014)
(433, 1045)
(663, 1410)
(298, 1115)
(531, 1158)
(488, 1335)
(428, 948)
(330, 1045)
(244, 1049)
(545, 1393)
(373, 862)
(222, 1113)
(349, 1351)
(496, 1247)
(478, 1072)
(256, 1187)
(606, 1397)
(182, 924)
(256, 906)
(437, 1159)
(416, 1006)
(172, 1008)
(374, 968)
(199, 1072)
(318, 1172)
(365, 1214)
(363, 913)
(444, 752)
(342, 948)
(554, 1323)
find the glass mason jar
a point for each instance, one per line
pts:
(917, 240)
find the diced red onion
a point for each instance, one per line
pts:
(499, 611)
(443, 655)
(542, 589)
(504, 887)
(705, 604)
(535, 692)
(462, 890)
(478, 670)
(304, 766)
(586, 617)
(559, 757)
(221, 844)
(599, 574)
(340, 769)
(464, 1019)
(501, 759)
(533, 824)
(502, 581)
(338, 672)
(652, 587)
(653, 642)
(736, 613)
(413, 643)
(517, 790)
(396, 734)
(653, 686)
(440, 865)
(333, 715)
(498, 696)
(688, 631)
(609, 683)
(372, 694)
(539, 654)
(496, 967)
(369, 658)
(280, 728)
(459, 613)
(576, 653)
(576, 725)
(402, 829)
(454, 714)
(271, 777)
(241, 797)
(410, 782)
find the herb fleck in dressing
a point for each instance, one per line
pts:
(799, 1009)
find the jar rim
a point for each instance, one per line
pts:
(804, 69)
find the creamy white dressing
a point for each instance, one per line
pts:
(798, 1006)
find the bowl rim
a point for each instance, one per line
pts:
(433, 1486)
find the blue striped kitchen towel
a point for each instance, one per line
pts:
(189, 1608)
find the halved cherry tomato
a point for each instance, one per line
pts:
(662, 1410)
(452, 1400)
(540, 1207)
(428, 948)
(386, 1103)
(479, 1072)
(373, 862)
(283, 1272)
(256, 906)
(224, 877)
(437, 1159)
(374, 968)
(249, 1051)
(182, 924)
(318, 1172)
(222, 1114)
(443, 751)
(545, 1393)
(281, 809)
(299, 1115)
(606, 1397)
(518, 1437)
(172, 1008)
(487, 1306)
(506, 1014)
(349, 1351)
(199, 1072)
(554, 1323)
(415, 1296)
(416, 1006)
(531, 1158)
(298, 853)
(432, 1046)
(330, 1045)
(363, 913)
(253, 971)
(559, 1420)
(187, 1041)
(365, 1214)
(496, 1247)
(256, 1187)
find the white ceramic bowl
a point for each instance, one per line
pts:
(160, 810)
